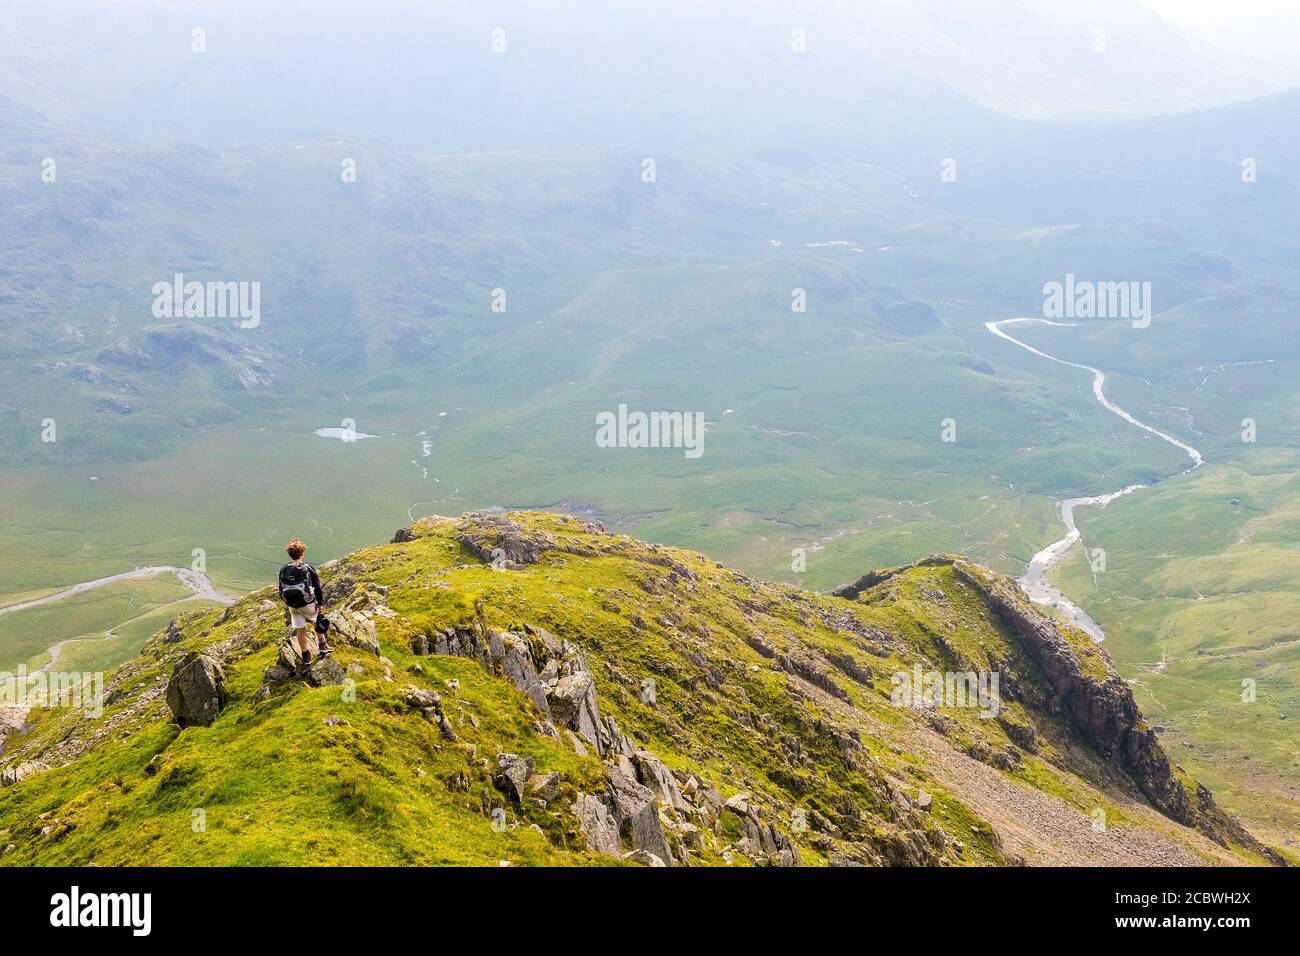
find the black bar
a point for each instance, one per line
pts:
(332, 906)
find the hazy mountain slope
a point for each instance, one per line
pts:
(756, 717)
(650, 75)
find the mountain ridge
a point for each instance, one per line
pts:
(530, 688)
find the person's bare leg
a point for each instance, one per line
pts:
(301, 635)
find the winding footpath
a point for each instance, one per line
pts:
(1034, 581)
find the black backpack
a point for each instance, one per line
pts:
(295, 585)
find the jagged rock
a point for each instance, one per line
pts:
(356, 629)
(288, 657)
(460, 642)
(550, 672)
(421, 698)
(499, 540)
(624, 764)
(196, 692)
(1103, 710)
(924, 801)
(634, 809)
(598, 823)
(907, 846)
(644, 857)
(511, 775)
(324, 672)
(762, 842)
(808, 668)
(573, 705)
(691, 836)
(448, 731)
(709, 808)
(739, 803)
(12, 719)
(275, 674)
(337, 587)
(941, 722)
(12, 774)
(862, 673)
(658, 780)
(545, 786)
(1007, 759)
(514, 656)
(823, 824)
(614, 743)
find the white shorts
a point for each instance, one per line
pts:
(301, 615)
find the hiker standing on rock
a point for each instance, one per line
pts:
(300, 589)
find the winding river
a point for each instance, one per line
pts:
(1034, 581)
(196, 581)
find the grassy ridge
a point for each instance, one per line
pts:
(353, 775)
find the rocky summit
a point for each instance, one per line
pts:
(530, 689)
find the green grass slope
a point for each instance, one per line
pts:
(1199, 605)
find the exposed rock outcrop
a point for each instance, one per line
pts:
(552, 673)
(13, 773)
(598, 823)
(763, 842)
(499, 540)
(319, 672)
(511, 775)
(196, 692)
(1105, 714)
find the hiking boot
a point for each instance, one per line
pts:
(306, 657)
(323, 648)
